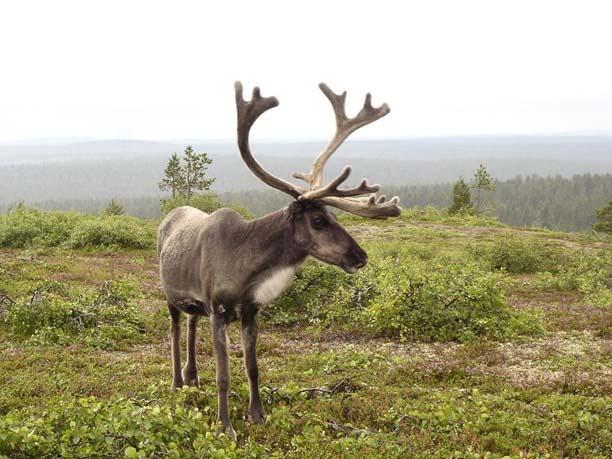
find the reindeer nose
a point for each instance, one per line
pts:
(361, 258)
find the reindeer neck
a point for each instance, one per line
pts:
(274, 236)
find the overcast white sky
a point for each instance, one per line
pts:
(165, 70)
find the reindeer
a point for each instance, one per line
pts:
(224, 267)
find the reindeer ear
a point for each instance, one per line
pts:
(301, 233)
(302, 237)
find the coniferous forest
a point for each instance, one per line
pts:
(563, 203)
(556, 202)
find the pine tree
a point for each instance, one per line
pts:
(113, 208)
(604, 219)
(461, 197)
(185, 177)
(194, 172)
(174, 178)
(482, 182)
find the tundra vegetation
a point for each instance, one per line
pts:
(462, 338)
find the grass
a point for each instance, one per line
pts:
(331, 391)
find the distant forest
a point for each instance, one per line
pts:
(563, 203)
(132, 169)
(564, 180)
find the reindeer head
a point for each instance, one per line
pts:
(316, 227)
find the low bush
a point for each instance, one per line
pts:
(205, 202)
(406, 298)
(429, 214)
(25, 227)
(520, 255)
(309, 297)
(117, 428)
(589, 274)
(428, 421)
(443, 302)
(105, 318)
(112, 231)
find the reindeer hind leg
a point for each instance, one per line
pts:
(190, 371)
(219, 339)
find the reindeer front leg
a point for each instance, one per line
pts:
(219, 338)
(248, 322)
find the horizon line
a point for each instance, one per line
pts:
(78, 140)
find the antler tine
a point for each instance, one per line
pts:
(331, 189)
(248, 112)
(344, 127)
(366, 207)
(338, 102)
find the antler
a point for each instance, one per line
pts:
(331, 189)
(330, 194)
(248, 112)
(344, 127)
(344, 199)
(371, 207)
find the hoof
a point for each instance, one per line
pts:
(229, 431)
(192, 382)
(176, 385)
(257, 415)
(190, 378)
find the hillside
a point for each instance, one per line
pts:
(462, 338)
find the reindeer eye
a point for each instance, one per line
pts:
(318, 222)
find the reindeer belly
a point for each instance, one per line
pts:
(273, 285)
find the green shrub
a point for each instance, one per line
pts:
(309, 297)
(589, 274)
(117, 428)
(25, 227)
(53, 315)
(406, 298)
(429, 214)
(436, 303)
(206, 203)
(520, 255)
(112, 231)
